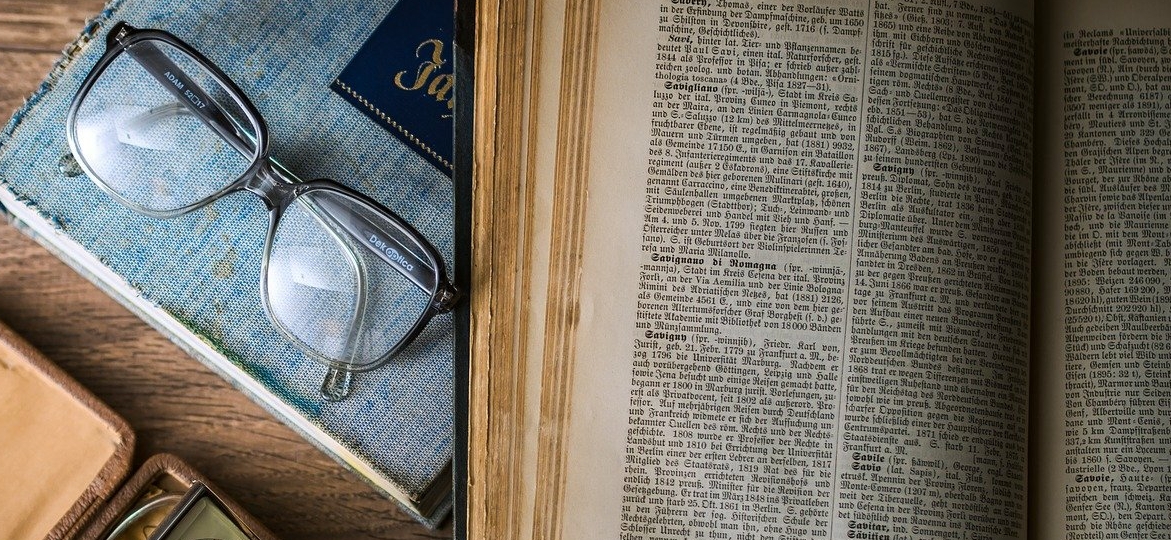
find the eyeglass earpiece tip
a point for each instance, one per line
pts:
(68, 166)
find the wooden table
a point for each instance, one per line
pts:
(173, 403)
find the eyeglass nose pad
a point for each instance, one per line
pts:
(337, 384)
(68, 166)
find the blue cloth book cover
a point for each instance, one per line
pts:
(198, 277)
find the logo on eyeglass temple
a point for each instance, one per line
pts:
(391, 253)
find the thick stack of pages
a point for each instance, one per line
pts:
(197, 277)
(774, 270)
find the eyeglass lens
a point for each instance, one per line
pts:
(335, 279)
(148, 146)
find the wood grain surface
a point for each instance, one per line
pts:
(172, 402)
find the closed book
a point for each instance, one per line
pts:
(197, 278)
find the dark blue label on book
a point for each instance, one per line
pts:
(402, 77)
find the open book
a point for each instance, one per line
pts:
(821, 269)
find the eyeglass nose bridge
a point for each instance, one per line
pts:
(269, 184)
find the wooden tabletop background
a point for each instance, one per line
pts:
(172, 402)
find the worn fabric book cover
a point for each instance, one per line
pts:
(197, 277)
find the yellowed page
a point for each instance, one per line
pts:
(794, 316)
(1102, 393)
(542, 151)
(597, 424)
(517, 139)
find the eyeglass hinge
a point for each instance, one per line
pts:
(119, 32)
(445, 299)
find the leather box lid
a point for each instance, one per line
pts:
(62, 451)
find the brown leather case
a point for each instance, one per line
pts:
(176, 475)
(63, 453)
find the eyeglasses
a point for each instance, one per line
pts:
(164, 132)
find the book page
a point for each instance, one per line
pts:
(1103, 378)
(802, 303)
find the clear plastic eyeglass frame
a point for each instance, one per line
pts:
(163, 131)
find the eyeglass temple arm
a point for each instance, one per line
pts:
(183, 87)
